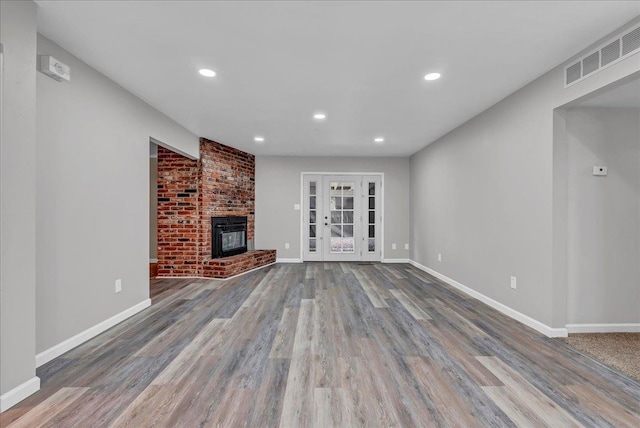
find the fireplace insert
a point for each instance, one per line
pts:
(228, 236)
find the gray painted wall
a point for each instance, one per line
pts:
(603, 216)
(482, 196)
(153, 208)
(18, 195)
(92, 168)
(278, 189)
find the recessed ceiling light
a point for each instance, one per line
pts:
(258, 139)
(206, 72)
(320, 116)
(432, 76)
(378, 140)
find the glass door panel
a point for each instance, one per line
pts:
(342, 221)
(341, 196)
(371, 218)
(312, 218)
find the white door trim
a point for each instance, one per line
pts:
(323, 173)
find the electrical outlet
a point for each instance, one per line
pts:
(406, 246)
(286, 245)
(439, 257)
(118, 285)
(514, 283)
(600, 170)
(394, 246)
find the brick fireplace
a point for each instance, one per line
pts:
(191, 192)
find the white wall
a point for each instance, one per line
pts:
(17, 198)
(92, 163)
(603, 216)
(483, 196)
(278, 189)
(153, 208)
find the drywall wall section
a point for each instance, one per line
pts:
(92, 222)
(17, 205)
(278, 189)
(603, 216)
(153, 207)
(482, 196)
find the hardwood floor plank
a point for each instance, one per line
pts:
(188, 357)
(551, 413)
(283, 342)
(520, 413)
(415, 311)
(323, 408)
(452, 407)
(376, 300)
(232, 411)
(614, 413)
(325, 355)
(456, 320)
(298, 399)
(324, 344)
(268, 400)
(461, 349)
(49, 408)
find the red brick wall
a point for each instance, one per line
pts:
(178, 214)
(227, 187)
(190, 192)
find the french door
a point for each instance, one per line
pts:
(342, 219)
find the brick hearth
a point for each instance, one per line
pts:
(234, 265)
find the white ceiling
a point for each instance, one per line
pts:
(627, 95)
(360, 62)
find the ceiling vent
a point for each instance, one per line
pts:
(609, 53)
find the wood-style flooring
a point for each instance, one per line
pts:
(325, 345)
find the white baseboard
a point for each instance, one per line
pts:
(19, 393)
(283, 260)
(518, 316)
(59, 349)
(395, 261)
(603, 328)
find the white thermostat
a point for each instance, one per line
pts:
(600, 170)
(54, 68)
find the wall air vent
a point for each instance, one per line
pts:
(574, 72)
(591, 63)
(609, 53)
(631, 41)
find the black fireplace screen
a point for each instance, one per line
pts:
(233, 240)
(228, 236)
